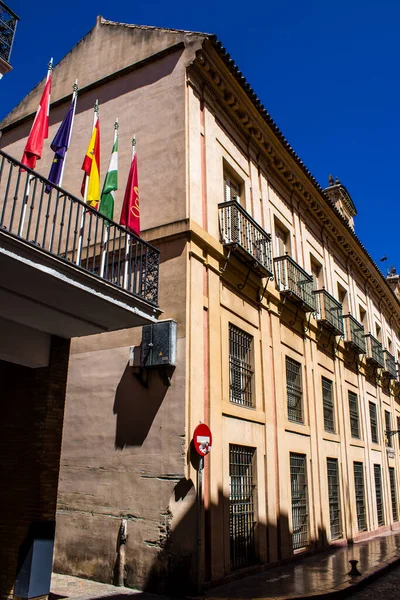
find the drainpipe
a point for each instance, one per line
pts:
(122, 552)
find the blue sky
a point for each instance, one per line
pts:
(327, 71)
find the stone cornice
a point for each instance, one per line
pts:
(221, 84)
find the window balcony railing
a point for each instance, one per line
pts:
(63, 226)
(329, 312)
(242, 233)
(8, 24)
(389, 370)
(374, 351)
(354, 335)
(294, 282)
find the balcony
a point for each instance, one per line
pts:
(329, 312)
(8, 24)
(240, 232)
(374, 352)
(390, 369)
(354, 336)
(67, 270)
(294, 282)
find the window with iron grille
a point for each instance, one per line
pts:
(298, 478)
(354, 416)
(360, 496)
(334, 498)
(378, 492)
(242, 499)
(393, 496)
(388, 429)
(398, 426)
(231, 188)
(240, 367)
(294, 391)
(373, 419)
(327, 397)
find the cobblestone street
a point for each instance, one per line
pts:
(387, 587)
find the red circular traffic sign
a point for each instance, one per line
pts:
(202, 439)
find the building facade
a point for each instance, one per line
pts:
(288, 335)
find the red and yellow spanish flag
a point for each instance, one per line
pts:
(91, 166)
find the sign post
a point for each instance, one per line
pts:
(202, 441)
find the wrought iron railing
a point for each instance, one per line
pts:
(238, 229)
(329, 311)
(8, 24)
(354, 334)
(390, 365)
(374, 351)
(292, 280)
(64, 226)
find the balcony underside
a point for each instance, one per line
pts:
(44, 293)
(330, 327)
(248, 258)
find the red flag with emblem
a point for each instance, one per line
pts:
(40, 129)
(130, 213)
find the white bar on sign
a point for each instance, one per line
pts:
(202, 439)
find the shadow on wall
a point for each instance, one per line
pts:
(136, 405)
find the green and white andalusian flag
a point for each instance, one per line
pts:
(110, 184)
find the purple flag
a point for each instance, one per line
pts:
(60, 146)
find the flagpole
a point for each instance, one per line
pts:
(107, 231)
(74, 100)
(128, 237)
(78, 258)
(30, 176)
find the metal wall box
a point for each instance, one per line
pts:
(159, 344)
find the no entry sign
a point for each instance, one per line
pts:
(202, 439)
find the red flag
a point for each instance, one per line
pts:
(40, 130)
(130, 213)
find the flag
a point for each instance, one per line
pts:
(130, 213)
(40, 130)
(60, 146)
(110, 184)
(91, 166)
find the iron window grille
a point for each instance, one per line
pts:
(242, 499)
(389, 442)
(378, 492)
(354, 415)
(298, 479)
(294, 391)
(327, 397)
(392, 477)
(240, 367)
(334, 498)
(373, 419)
(360, 496)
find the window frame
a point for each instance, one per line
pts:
(354, 416)
(328, 405)
(239, 369)
(294, 390)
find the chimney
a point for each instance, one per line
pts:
(340, 198)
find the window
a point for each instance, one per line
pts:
(354, 417)
(360, 499)
(334, 498)
(282, 240)
(242, 501)
(294, 391)
(240, 367)
(231, 188)
(392, 477)
(327, 397)
(298, 478)
(364, 318)
(378, 492)
(378, 333)
(317, 273)
(374, 422)
(398, 424)
(388, 429)
(343, 298)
